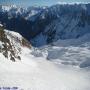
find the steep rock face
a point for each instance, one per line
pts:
(11, 44)
(45, 25)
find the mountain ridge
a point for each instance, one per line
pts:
(50, 22)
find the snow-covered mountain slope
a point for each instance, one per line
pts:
(21, 19)
(62, 65)
(39, 74)
(34, 71)
(14, 10)
(64, 21)
(11, 44)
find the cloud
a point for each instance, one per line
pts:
(71, 2)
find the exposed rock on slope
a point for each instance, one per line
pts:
(11, 44)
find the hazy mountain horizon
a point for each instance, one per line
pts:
(39, 2)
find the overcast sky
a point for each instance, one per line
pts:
(39, 2)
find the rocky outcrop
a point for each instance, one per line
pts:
(8, 47)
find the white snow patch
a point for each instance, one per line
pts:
(15, 34)
(43, 76)
(32, 73)
(1, 25)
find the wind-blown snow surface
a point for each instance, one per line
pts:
(32, 73)
(40, 74)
